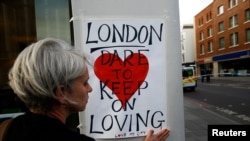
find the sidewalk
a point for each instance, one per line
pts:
(197, 119)
(229, 79)
(233, 78)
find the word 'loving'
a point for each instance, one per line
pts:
(155, 119)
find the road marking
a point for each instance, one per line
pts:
(244, 117)
(230, 112)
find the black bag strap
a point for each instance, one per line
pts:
(4, 128)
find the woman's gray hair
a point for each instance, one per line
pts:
(41, 67)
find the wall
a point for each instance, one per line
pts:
(166, 9)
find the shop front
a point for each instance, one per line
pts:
(234, 64)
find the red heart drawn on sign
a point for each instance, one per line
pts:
(123, 78)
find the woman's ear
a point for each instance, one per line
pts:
(59, 93)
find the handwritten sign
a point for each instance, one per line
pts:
(128, 77)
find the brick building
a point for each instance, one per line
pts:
(222, 32)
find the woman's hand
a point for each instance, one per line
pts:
(159, 136)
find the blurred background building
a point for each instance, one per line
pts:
(222, 33)
(188, 51)
(23, 22)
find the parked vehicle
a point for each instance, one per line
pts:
(189, 78)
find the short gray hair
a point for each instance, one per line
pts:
(41, 67)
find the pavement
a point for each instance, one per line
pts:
(198, 117)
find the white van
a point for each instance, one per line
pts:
(189, 79)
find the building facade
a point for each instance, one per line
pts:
(188, 54)
(23, 22)
(222, 32)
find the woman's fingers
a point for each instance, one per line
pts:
(163, 134)
(149, 135)
(159, 136)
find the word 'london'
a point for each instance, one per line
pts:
(128, 34)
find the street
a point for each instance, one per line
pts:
(222, 101)
(229, 97)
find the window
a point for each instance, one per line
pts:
(248, 35)
(221, 43)
(201, 35)
(233, 21)
(209, 16)
(247, 14)
(232, 3)
(202, 49)
(201, 21)
(210, 46)
(221, 26)
(52, 19)
(187, 72)
(210, 32)
(234, 39)
(220, 9)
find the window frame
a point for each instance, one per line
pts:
(221, 26)
(234, 39)
(210, 31)
(202, 49)
(247, 15)
(201, 35)
(221, 43)
(220, 9)
(233, 21)
(232, 3)
(210, 46)
(248, 35)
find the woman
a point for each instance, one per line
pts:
(51, 78)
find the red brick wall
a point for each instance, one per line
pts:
(242, 25)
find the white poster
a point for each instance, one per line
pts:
(128, 76)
